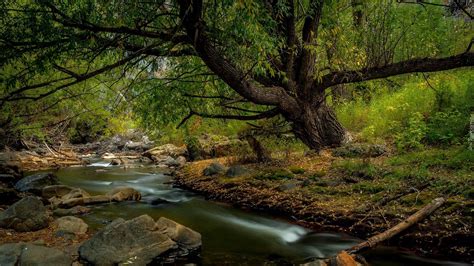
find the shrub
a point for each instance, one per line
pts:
(447, 127)
(411, 138)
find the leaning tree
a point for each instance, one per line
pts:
(280, 58)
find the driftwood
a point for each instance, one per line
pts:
(413, 219)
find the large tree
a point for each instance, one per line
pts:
(278, 57)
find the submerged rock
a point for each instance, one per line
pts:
(158, 201)
(35, 183)
(29, 254)
(77, 210)
(28, 214)
(213, 169)
(71, 224)
(135, 241)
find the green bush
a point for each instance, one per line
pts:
(411, 138)
(446, 128)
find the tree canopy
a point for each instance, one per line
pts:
(245, 60)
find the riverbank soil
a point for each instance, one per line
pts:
(358, 196)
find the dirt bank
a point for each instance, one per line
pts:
(313, 195)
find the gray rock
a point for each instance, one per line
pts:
(213, 169)
(184, 236)
(169, 161)
(134, 241)
(71, 224)
(29, 254)
(236, 170)
(35, 183)
(181, 160)
(28, 214)
(55, 191)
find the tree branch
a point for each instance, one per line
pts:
(190, 12)
(404, 67)
(267, 114)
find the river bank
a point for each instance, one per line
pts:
(356, 196)
(327, 193)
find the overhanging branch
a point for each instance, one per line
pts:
(267, 114)
(404, 67)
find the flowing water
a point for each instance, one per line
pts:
(229, 235)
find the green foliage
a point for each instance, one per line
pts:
(446, 128)
(193, 147)
(367, 187)
(417, 113)
(411, 137)
(297, 170)
(357, 168)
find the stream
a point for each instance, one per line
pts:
(229, 235)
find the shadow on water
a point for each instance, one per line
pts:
(229, 235)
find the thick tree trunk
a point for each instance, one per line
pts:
(318, 127)
(262, 154)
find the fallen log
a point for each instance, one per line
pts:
(400, 227)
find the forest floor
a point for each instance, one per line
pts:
(358, 196)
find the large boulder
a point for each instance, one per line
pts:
(35, 183)
(185, 237)
(71, 224)
(28, 214)
(165, 150)
(213, 169)
(124, 193)
(134, 241)
(29, 254)
(55, 191)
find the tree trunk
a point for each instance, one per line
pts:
(262, 154)
(318, 127)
